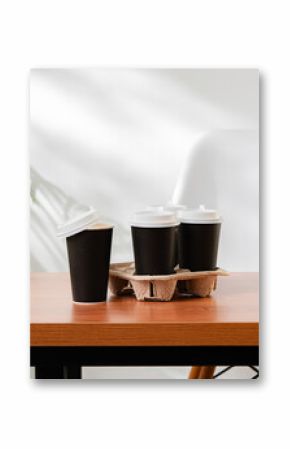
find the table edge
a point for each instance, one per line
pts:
(153, 334)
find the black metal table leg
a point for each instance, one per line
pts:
(72, 372)
(49, 372)
(58, 372)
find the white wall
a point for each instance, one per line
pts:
(117, 139)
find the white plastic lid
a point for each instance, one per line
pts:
(79, 224)
(154, 219)
(201, 215)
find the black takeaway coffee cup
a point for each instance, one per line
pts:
(199, 233)
(176, 209)
(89, 246)
(153, 235)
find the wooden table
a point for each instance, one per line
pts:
(221, 330)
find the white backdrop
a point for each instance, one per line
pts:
(206, 33)
(119, 139)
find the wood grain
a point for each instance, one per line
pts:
(229, 317)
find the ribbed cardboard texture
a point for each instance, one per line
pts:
(123, 281)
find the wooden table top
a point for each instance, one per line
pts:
(229, 318)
